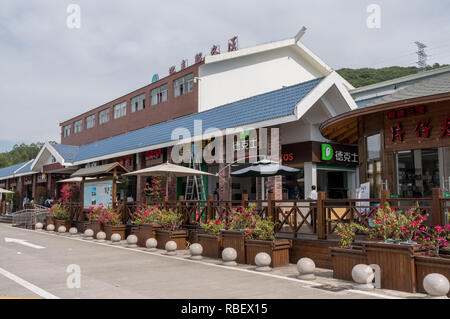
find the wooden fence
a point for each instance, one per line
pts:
(295, 218)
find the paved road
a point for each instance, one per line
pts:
(115, 272)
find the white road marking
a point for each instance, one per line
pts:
(309, 284)
(22, 242)
(39, 291)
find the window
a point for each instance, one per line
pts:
(90, 121)
(103, 116)
(373, 151)
(78, 126)
(158, 95)
(183, 85)
(138, 103)
(67, 130)
(120, 110)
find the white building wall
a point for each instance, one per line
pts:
(231, 80)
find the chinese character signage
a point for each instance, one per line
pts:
(338, 154)
(153, 154)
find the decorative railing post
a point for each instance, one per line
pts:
(244, 200)
(321, 216)
(437, 212)
(271, 206)
(166, 199)
(209, 208)
(184, 212)
(385, 196)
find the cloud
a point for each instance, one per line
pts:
(50, 73)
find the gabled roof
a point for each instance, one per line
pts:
(439, 84)
(16, 170)
(101, 170)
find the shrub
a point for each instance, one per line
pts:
(263, 229)
(147, 215)
(213, 226)
(59, 212)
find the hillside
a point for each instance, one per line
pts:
(367, 76)
(19, 154)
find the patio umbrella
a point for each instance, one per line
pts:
(168, 170)
(2, 190)
(265, 168)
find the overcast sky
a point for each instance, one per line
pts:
(50, 73)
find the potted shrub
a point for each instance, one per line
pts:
(111, 221)
(61, 215)
(171, 229)
(92, 216)
(146, 220)
(260, 237)
(241, 219)
(211, 239)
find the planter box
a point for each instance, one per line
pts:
(344, 259)
(235, 239)
(398, 269)
(426, 265)
(49, 220)
(81, 226)
(277, 249)
(146, 231)
(95, 226)
(178, 236)
(212, 245)
(63, 222)
(109, 230)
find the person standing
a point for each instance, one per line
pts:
(313, 193)
(25, 202)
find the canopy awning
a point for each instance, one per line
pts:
(265, 168)
(5, 191)
(102, 170)
(168, 169)
(74, 180)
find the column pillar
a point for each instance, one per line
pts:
(224, 182)
(310, 172)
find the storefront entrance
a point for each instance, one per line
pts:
(335, 184)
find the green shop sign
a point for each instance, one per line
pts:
(447, 195)
(327, 152)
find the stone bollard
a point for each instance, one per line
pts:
(229, 256)
(306, 267)
(262, 261)
(196, 251)
(171, 248)
(88, 234)
(101, 236)
(363, 275)
(50, 227)
(132, 241)
(151, 244)
(115, 239)
(39, 226)
(62, 230)
(436, 286)
(73, 231)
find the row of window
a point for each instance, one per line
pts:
(158, 95)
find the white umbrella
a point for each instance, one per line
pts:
(2, 190)
(168, 170)
(74, 180)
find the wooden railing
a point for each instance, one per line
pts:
(294, 217)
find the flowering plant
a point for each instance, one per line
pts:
(243, 218)
(155, 192)
(347, 233)
(108, 216)
(147, 215)
(94, 212)
(435, 238)
(58, 211)
(263, 229)
(69, 192)
(213, 226)
(171, 219)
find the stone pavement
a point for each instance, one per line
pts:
(109, 271)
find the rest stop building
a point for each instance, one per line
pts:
(280, 85)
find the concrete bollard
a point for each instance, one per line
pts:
(73, 231)
(101, 236)
(196, 251)
(436, 286)
(229, 256)
(50, 227)
(306, 268)
(62, 230)
(88, 234)
(39, 226)
(115, 239)
(262, 261)
(171, 248)
(132, 241)
(151, 244)
(363, 275)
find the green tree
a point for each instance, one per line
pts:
(20, 153)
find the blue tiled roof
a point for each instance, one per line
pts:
(8, 171)
(68, 152)
(263, 107)
(25, 169)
